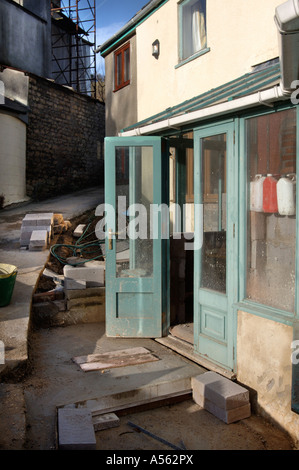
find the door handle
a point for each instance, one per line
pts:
(110, 235)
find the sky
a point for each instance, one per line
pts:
(111, 15)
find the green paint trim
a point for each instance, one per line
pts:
(264, 311)
(256, 80)
(129, 31)
(192, 57)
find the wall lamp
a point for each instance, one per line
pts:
(156, 48)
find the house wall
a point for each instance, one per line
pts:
(264, 365)
(13, 138)
(237, 42)
(26, 35)
(12, 159)
(121, 106)
(64, 140)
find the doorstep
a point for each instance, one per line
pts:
(187, 350)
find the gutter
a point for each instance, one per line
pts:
(265, 97)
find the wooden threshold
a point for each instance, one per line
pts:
(187, 350)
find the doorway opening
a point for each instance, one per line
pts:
(182, 233)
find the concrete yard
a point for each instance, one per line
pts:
(57, 381)
(41, 376)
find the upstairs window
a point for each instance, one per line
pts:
(193, 35)
(122, 67)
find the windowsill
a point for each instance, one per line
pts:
(192, 57)
(271, 313)
(121, 87)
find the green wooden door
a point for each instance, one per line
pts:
(136, 184)
(215, 262)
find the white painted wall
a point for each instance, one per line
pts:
(241, 34)
(12, 159)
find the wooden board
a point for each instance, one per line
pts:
(113, 359)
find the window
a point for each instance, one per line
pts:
(122, 67)
(271, 236)
(193, 27)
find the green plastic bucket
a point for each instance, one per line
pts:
(8, 274)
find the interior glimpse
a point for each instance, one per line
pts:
(271, 148)
(213, 269)
(181, 260)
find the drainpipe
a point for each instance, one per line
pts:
(287, 22)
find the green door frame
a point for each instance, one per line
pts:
(219, 349)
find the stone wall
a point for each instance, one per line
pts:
(65, 140)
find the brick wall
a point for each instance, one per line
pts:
(64, 140)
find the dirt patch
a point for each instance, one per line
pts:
(65, 246)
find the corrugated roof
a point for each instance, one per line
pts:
(246, 85)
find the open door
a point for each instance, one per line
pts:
(136, 185)
(215, 264)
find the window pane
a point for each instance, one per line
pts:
(194, 37)
(214, 201)
(118, 69)
(134, 196)
(271, 149)
(127, 65)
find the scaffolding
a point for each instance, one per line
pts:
(74, 44)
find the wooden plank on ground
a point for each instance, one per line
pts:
(113, 359)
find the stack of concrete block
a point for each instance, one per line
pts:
(91, 274)
(220, 396)
(36, 231)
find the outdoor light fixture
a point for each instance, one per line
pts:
(156, 48)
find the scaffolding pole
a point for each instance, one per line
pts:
(74, 44)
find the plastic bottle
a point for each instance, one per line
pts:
(256, 193)
(270, 195)
(286, 195)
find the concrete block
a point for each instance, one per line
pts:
(107, 421)
(26, 232)
(45, 219)
(219, 390)
(228, 416)
(38, 240)
(93, 274)
(71, 284)
(75, 429)
(78, 232)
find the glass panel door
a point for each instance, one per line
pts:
(215, 263)
(136, 255)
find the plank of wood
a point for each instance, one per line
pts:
(115, 359)
(110, 354)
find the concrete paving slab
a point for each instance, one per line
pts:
(75, 430)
